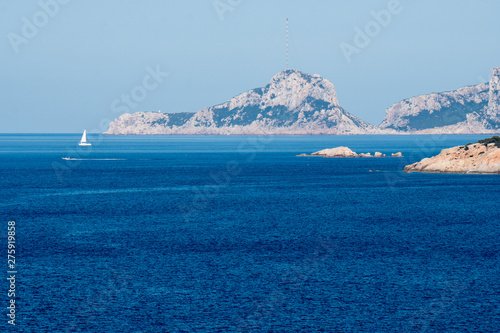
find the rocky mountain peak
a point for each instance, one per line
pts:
(291, 88)
(292, 75)
(291, 103)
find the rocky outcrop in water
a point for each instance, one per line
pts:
(346, 152)
(336, 152)
(478, 158)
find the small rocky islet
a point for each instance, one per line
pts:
(482, 157)
(346, 152)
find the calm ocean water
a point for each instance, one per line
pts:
(236, 234)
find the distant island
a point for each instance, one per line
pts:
(295, 103)
(482, 157)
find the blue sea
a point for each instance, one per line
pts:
(237, 234)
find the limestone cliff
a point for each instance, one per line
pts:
(493, 113)
(469, 110)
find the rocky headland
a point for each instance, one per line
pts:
(482, 157)
(468, 110)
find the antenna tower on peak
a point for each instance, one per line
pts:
(287, 48)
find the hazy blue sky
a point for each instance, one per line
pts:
(71, 71)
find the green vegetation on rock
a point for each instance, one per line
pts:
(495, 140)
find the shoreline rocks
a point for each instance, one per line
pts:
(345, 152)
(477, 158)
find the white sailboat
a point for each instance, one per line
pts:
(83, 141)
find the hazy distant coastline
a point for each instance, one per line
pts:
(295, 103)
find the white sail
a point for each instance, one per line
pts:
(84, 137)
(83, 141)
